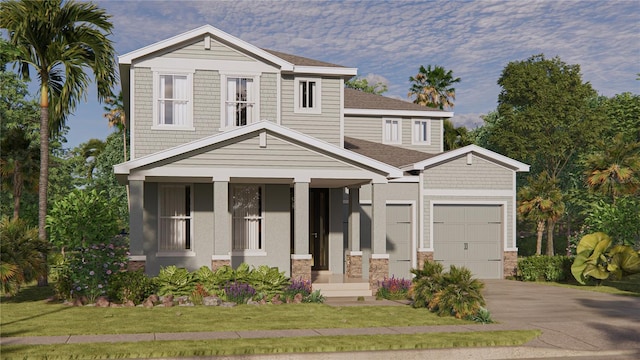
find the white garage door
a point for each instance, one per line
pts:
(470, 236)
(399, 234)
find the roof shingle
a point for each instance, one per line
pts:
(392, 155)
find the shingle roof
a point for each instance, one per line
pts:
(356, 99)
(299, 60)
(392, 155)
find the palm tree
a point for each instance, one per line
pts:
(117, 117)
(615, 171)
(541, 202)
(432, 87)
(60, 41)
(89, 152)
(454, 137)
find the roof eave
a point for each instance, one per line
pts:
(427, 113)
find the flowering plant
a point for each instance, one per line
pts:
(298, 287)
(393, 288)
(238, 292)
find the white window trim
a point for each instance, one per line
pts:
(317, 109)
(250, 252)
(223, 96)
(413, 132)
(384, 131)
(156, 86)
(176, 253)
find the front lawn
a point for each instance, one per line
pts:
(629, 286)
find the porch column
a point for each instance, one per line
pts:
(379, 262)
(354, 256)
(137, 258)
(222, 224)
(301, 260)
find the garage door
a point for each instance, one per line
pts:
(399, 223)
(470, 236)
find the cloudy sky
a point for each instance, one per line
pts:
(388, 40)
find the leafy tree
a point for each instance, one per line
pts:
(622, 112)
(89, 152)
(433, 87)
(455, 137)
(358, 83)
(621, 220)
(541, 202)
(545, 114)
(60, 41)
(21, 254)
(117, 117)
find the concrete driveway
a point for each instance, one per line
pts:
(569, 318)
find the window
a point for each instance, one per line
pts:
(421, 132)
(392, 132)
(175, 218)
(172, 105)
(307, 96)
(247, 218)
(240, 101)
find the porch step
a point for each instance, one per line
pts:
(343, 289)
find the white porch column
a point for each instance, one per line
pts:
(354, 218)
(222, 224)
(301, 260)
(379, 261)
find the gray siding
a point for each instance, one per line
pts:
(218, 51)
(248, 153)
(325, 126)
(370, 128)
(269, 97)
(456, 174)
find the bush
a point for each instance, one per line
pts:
(268, 281)
(544, 268)
(130, 285)
(393, 289)
(302, 287)
(238, 292)
(426, 284)
(175, 281)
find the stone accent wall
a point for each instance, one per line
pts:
(510, 263)
(424, 256)
(301, 269)
(378, 271)
(135, 265)
(216, 264)
(354, 266)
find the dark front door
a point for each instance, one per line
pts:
(319, 228)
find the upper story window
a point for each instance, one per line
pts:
(307, 95)
(240, 100)
(175, 232)
(421, 132)
(173, 100)
(392, 131)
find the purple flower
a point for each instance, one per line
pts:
(109, 272)
(99, 286)
(92, 273)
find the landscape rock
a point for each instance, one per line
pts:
(276, 300)
(297, 299)
(129, 303)
(148, 304)
(211, 301)
(102, 301)
(167, 300)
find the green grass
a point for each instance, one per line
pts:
(156, 349)
(29, 315)
(629, 286)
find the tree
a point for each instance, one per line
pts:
(546, 114)
(117, 117)
(432, 87)
(455, 137)
(541, 202)
(89, 152)
(60, 41)
(358, 83)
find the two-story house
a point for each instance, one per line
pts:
(242, 154)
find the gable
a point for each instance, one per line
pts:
(469, 172)
(216, 50)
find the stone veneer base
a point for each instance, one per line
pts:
(216, 264)
(354, 266)
(301, 269)
(424, 256)
(378, 271)
(510, 264)
(136, 265)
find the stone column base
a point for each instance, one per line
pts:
(137, 262)
(301, 267)
(354, 265)
(424, 256)
(510, 264)
(378, 270)
(218, 263)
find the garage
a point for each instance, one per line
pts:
(470, 236)
(399, 239)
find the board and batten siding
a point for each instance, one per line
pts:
(206, 113)
(325, 126)
(247, 153)
(218, 51)
(370, 128)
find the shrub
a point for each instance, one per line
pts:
(198, 294)
(206, 278)
(175, 281)
(460, 295)
(544, 268)
(22, 254)
(89, 269)
(130, 285)
(297, 287)
(393, 289)
(238, 292)
(314, 297)
(268, 281)
(426, 284)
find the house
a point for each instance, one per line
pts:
(242, 154)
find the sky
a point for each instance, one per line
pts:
(387, 41)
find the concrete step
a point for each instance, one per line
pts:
(343, 289)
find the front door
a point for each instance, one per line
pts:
(319, 228)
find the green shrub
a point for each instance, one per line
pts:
(315, 297)
(460, 295)
(426, 284)
(393, 289)
(175, 281)
(130, 285)
(544, 268)
(268, 281)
